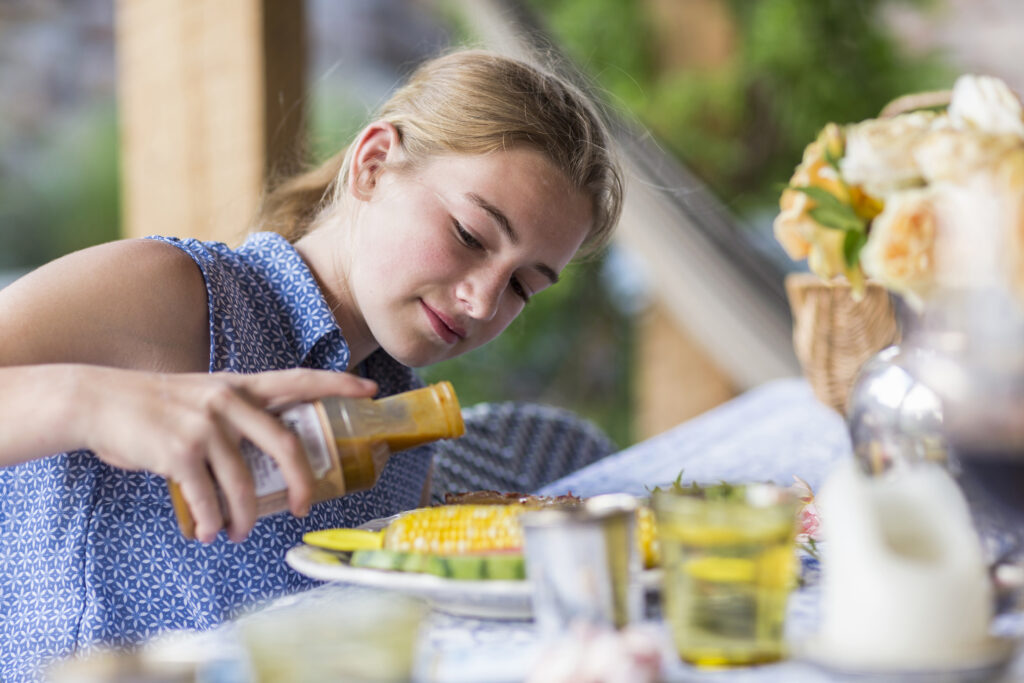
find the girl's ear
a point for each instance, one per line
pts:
(376, 145)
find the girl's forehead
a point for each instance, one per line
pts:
(520, 192)
(506, 171)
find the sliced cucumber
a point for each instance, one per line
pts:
(507, 566)
(378, 559)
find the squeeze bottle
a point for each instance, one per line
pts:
(347, 442)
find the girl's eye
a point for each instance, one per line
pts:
(473, 243)
(466, 238)
(519, 290)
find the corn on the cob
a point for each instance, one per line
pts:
(459, 529)
(456, 529)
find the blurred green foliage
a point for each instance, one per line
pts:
(64, 196)
(742, 125)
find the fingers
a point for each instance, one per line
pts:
(201, 495)
(236, 486)
(190, 428)
(269, 435)
(279, 387)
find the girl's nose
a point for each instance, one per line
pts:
(481, 294)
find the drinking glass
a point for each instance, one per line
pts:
(336, 636)
(973, 358)
(729, 565)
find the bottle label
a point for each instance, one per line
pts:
(305, 423)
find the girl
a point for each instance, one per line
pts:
(146, 360)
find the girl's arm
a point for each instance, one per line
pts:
(107, 349)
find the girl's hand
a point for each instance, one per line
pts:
(189, 427)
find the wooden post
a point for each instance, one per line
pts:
(675, 378)
(211, 99)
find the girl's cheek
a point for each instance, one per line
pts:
(508, 316)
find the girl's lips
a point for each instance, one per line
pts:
(444, 326)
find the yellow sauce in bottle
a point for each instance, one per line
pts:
(349, 442)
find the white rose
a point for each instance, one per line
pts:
(986, 104)
(879, 152)
(957, 155)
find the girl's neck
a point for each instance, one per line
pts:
(324, 250)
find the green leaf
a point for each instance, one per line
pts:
(831, 212)
(723, 490)
(811, 548)
(820, 196)
(853, 242)
(830, 159)
(838, 218)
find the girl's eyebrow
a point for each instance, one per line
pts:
(503, 222)
(506, 227)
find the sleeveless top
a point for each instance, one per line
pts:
(91, 554)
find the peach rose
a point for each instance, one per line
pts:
(796, 229)
(900, 250)
(804, 238)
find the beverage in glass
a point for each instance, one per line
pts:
(729, 566)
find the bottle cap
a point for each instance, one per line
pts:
(444, 392)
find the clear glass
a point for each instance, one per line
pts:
(729, 567)
(583, 564)
(369, 637)
(973, 358)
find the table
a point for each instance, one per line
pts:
(770, 433)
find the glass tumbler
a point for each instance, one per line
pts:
(729, 565)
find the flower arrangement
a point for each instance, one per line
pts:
(875, 199)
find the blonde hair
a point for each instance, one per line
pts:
(475, 102)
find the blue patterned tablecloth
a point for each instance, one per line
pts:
(767, 434)
(770, 433)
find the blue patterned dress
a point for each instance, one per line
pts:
(92, 554)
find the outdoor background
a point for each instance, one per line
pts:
(733, 89)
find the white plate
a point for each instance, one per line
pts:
(492, 599)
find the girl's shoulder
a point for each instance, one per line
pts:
(129, 302)
(123, 270)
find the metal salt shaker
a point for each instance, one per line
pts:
(583, 564)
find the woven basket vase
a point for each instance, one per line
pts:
(833, 334)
